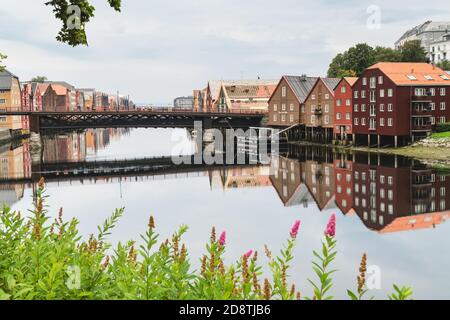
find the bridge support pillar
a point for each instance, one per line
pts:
(34, 123)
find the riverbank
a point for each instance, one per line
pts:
(434, 151)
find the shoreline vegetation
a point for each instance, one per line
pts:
(46, 259)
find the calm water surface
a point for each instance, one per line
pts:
(394, 210)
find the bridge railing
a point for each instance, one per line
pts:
(154, 110)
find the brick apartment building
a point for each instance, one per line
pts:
(343, 109)
(395, 103)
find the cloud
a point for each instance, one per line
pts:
(157, 50)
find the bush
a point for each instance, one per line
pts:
(443, 127)
(47, 260)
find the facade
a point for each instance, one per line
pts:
(343, 172)
(393, 103)
(245, 94)
(319, 178)
(10, 100)
(343, 109)
(318, 111)
(288, 99)
(200, 100)
(426, 33)
(440, 50)
(88, 97)
(184, 103)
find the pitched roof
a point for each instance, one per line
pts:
(215, 85)
(301, 85)
(59, 89)
(6, 79)
(331, 83)
(62, 83)
(351, 80)
(413, 73)
(250, 91)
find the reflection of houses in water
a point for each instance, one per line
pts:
(343, 173)
(287, 181)
(319, 178)
(249, 177)
(392, 198)
(14, 164)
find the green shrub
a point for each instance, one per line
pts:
(443, 127)
(48, 260)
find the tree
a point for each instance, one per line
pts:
(40, 79)
(74, 15)
(444, 65)
(2, 57)
(384, 54)
(352, 62)
(412, 51)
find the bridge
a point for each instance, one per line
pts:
(151, 117)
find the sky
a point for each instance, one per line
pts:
(157, 50)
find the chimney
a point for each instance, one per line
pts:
(303, 77)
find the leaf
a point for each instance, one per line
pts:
(352, 295)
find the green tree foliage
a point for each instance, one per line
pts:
(444, 65)
(2, 57)
(64, 11)
(39, 79)
(358, 58)
(412, 51)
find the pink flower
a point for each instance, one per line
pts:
(248, 254)
(331, 227)
(222, 238)
(294, 230)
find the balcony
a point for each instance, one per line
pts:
(318, 112)
(422, 128)
(421, 124)
(422, 109)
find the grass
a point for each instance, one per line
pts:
(439, 135)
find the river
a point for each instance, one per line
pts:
(393, 209)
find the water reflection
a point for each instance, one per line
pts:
(388, 193)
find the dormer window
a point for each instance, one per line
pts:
(428, 77)
(411, 77)
(445, 77)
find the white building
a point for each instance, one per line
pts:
(440, 50)
(426, 33)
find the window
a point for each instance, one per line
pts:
(372, 124)
(327, 108)
(327, 96)
(372, 96)
(348, 102)
(363, 108)
(381, 93)
(338, 116)
(390, 107)
(442, 106)
(382, 107)
(338, 102)
(411, 77)
(291, 107)
(363, 121)
(283, 118)
(275, 107)
(356, 121)
(433, 106)
(432, 92)
(373, 82)
(433, 121)
(347, 116)
(419, 92)
(390, 122)
(381, 122)
(283, 91)
(428, 77)
(380, 80)
(2, 101)
(291, 118)
(390, 180)
(364, 81)
(355, 94)
(372, 110)
(313, 108)
(442, 119)
(442, 92)
(343, 89)
(445, 77)
(275, 118)
(355, 108)
(313, 97)
(363, 94)
(390, 93)
(313, 119)
(327, 119)
(283, 107)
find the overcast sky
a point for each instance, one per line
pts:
(156, 50)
